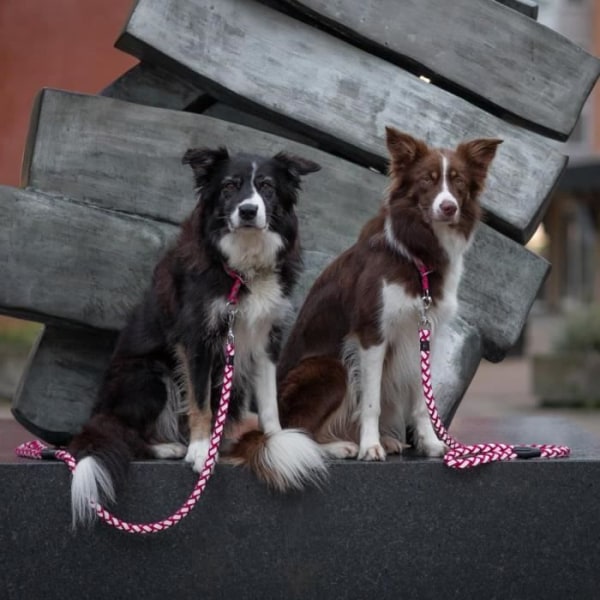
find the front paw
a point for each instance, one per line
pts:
(196, 454)
(371, 452)
(432, 448)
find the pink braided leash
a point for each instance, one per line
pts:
(37, 450)
(464, 456)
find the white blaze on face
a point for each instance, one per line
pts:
(445, 206)
(255, 200)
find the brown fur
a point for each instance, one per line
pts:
(345, 301)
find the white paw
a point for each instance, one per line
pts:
(432, 448)
(197, 453)
(172, 450)
(373, 452)
(340, 449)
(393, 445)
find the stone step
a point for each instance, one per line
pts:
(406, 528)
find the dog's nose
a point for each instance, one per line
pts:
(448, 208)
(247, 211)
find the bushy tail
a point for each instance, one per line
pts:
(103, 450)
(285, 460)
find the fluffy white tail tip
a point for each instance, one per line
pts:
(91, 484)
(294, 459)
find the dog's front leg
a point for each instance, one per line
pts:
(265, 388)
(371, 369)
(196, 366)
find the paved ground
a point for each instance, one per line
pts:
(498, 390)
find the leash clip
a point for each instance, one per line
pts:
(48, 454)
(426, 305)
(527, 452)
(231, 314)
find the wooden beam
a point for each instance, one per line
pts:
(515, 66)
(219, 110)
(60, 267)
(65, 262)
(127, 158)
(65, 370)
(61, 381)
(153, 86)
(494, 297)
(308, 80)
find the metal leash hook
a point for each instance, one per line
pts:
(231, 315)
(232, 312)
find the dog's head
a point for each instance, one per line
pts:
(247, 200)
(444, 185)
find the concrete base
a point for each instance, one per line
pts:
(406, 528)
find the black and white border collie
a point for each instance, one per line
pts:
(172, 347)
(350, 371)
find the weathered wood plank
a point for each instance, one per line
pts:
(112, 157)
(342, 96)
(515, 66)
(65, 370)
(61, 381)
(59, 266)
(494, 297)
(153, 86)
(218, 110)
(128, 158)
(64, 261)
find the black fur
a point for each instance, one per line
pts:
(175, 313)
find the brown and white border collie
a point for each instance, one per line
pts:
(350, 370)
(173, 344)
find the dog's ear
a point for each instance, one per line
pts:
(403, 148)
(203, 161)
(296, 166)
(478, 154)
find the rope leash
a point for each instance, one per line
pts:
(464, 456)
(37, 450)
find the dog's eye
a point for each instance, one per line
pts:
(426, 180)
(459, 183)
(229, 187)
(265, 187)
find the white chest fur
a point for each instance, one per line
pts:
(256, 314)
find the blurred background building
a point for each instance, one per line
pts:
(570, 235)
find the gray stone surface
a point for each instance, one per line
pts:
(516, 65)
(338, 94)
(409, 529)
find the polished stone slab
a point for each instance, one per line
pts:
(407, 528)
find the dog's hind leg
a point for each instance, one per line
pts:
(313, 398)
(311, 394)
